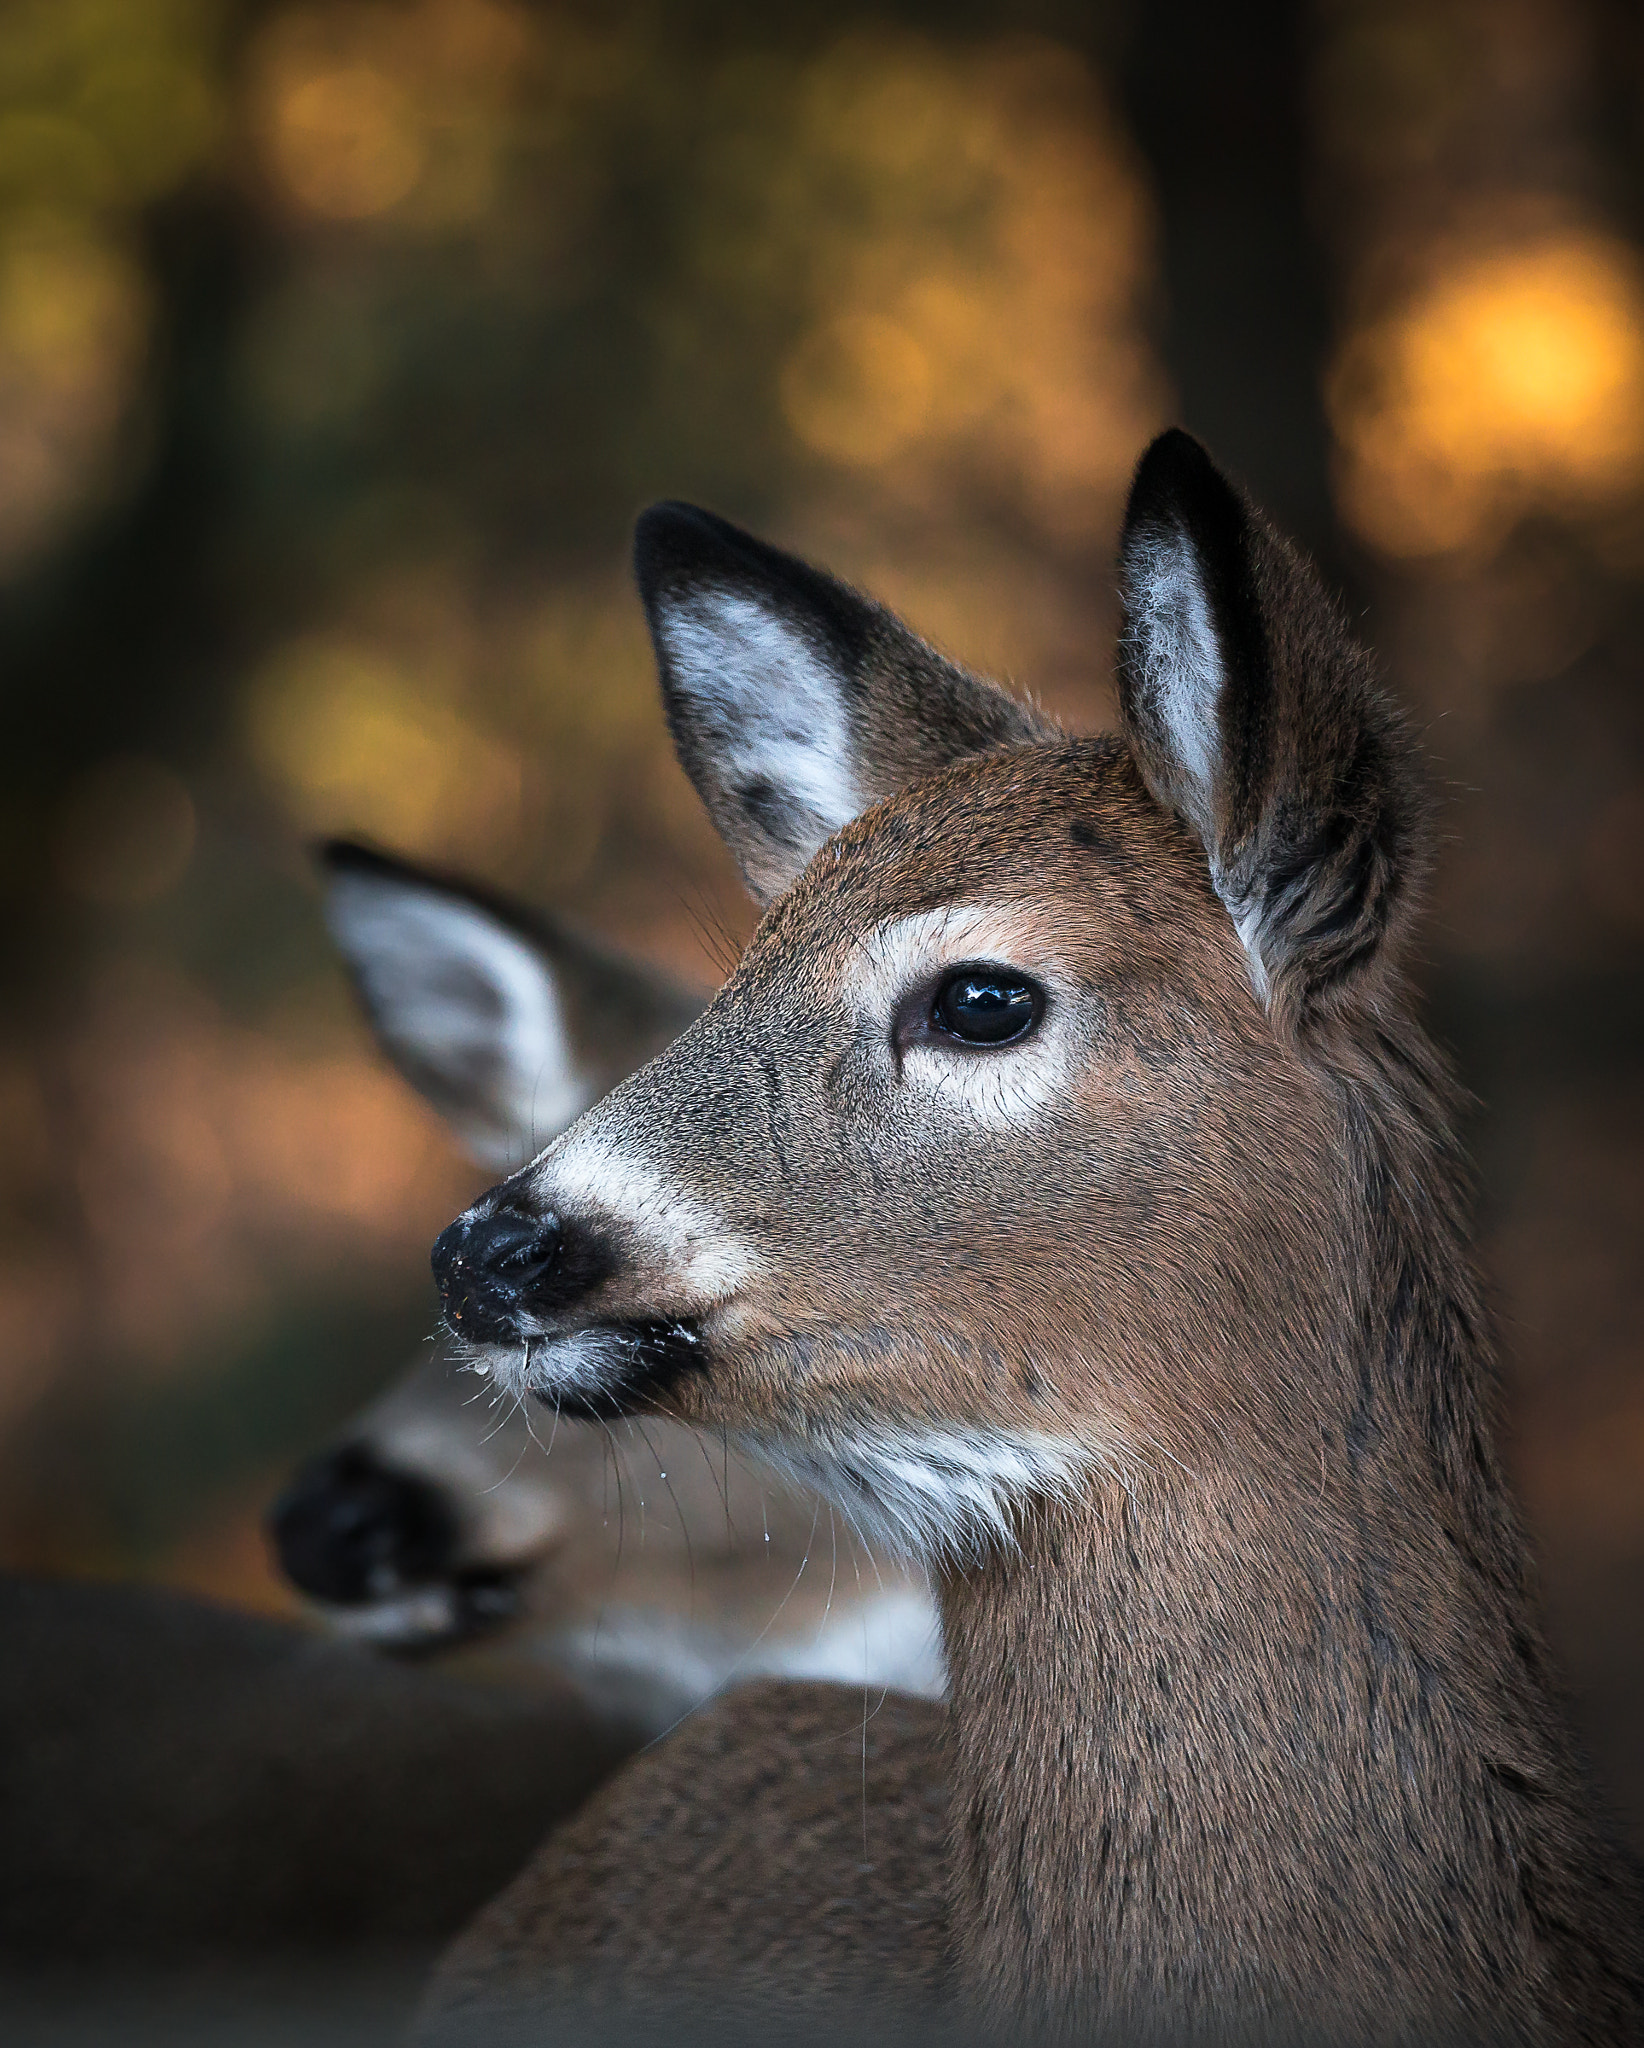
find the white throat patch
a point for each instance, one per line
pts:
(936, 1493)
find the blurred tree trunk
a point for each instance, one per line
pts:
(1217, 98)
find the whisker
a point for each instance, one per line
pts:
(741, 1661)
(684, 1529)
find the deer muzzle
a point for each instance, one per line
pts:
(492, 1267)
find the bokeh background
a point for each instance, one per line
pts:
(339, 344)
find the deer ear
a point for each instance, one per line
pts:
(1256, 717)
(506, 1024)
(795, 702)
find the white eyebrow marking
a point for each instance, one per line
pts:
(993, 1091)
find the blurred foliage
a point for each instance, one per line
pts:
(104, 109)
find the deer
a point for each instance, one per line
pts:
(1063, 1184)
(190, 1792)
(645, 1563)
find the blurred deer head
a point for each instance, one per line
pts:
(648, 1561)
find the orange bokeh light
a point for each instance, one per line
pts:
(1515, 380)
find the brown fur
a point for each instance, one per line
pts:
(1251, 1729)
(830, 1804)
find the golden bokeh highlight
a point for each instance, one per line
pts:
(105, 106)
(1513, 382)
(976, 244)
(357, 742)
(857, 389)
(74, 322)
(369, 111)
(347, 143)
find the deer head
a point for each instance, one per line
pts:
(417, 1525)
(1005, 1150)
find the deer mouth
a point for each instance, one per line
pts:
(475, 1602)
(604, 1370)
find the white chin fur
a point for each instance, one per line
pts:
(427, 1615)
(941, 1495)
(587, 1362)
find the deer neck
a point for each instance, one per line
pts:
(1256, 1746)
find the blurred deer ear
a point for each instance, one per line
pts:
(1255, 716)
(794, 702)
(507, 1025)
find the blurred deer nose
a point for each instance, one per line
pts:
(487, 1266)
(350, 1529)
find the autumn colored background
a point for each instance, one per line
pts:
(340, 343)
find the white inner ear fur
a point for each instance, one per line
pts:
(1247, 922)
(455, 989)
(1183, 674)
(1000, 1089)
(770, 710)
(1182, 666)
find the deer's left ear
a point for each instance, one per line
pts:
(507, 1023)
(1255, 716)
(794, 701)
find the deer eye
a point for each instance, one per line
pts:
(987, 1006)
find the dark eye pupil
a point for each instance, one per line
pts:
(983, 1008)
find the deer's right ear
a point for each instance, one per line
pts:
(1255, 716)
(795, 702)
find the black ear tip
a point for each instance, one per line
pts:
(670, 534)
(1170, 459)
(342, 856)
(676, 540)
(668, 518)
(337, 859)
(1175, 450)
(1176, 483)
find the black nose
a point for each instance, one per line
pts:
(349, 1530)
(486, 1267)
